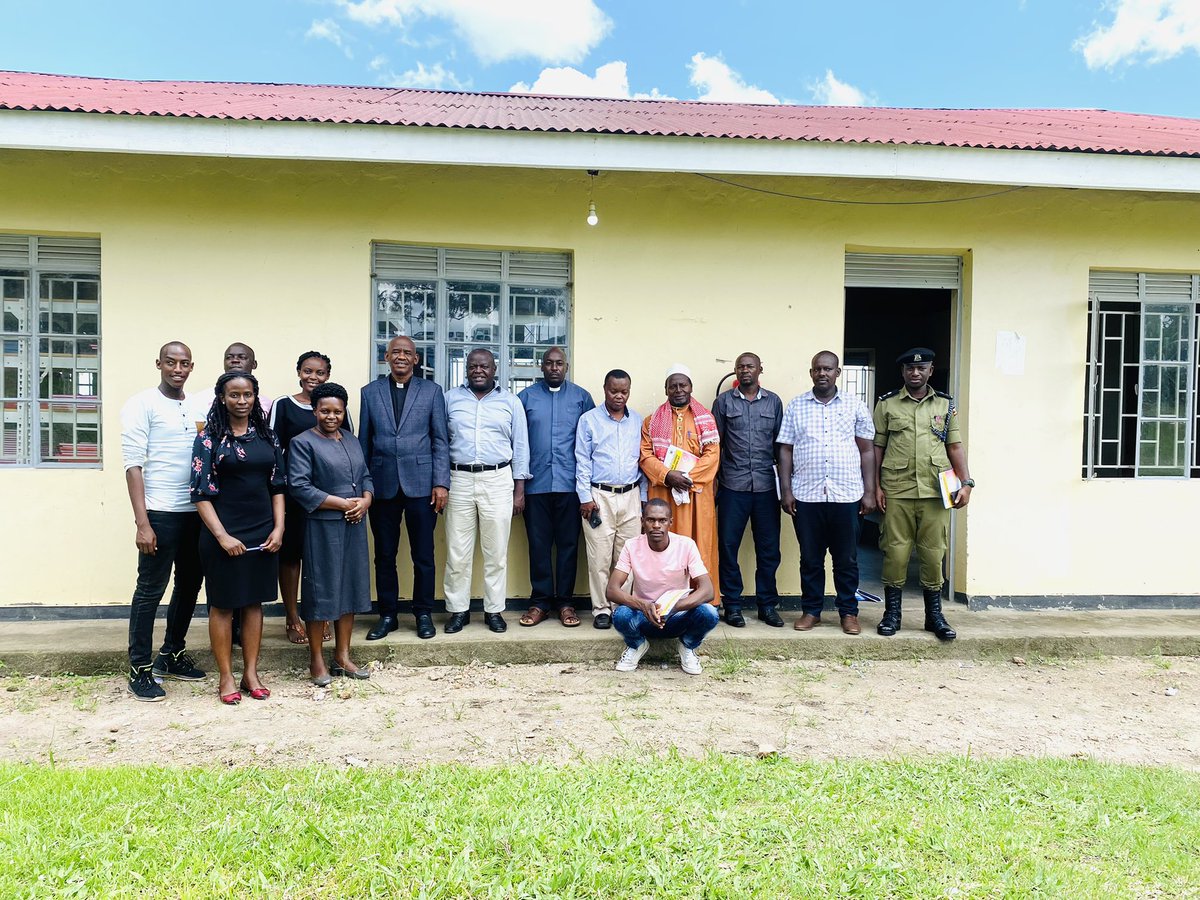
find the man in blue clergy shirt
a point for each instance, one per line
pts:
(553, 406)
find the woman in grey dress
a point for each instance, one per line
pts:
(328, 477)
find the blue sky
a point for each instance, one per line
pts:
(1132, 55)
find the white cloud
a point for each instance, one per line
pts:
(377, 64)
(610, 80)
(548, 30)
(716, 82)
(329, 30)
(436, 77)
(1152, 30)
(829, 91)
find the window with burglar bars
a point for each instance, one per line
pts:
(1141, 417)
(450, 301)
(50, 290)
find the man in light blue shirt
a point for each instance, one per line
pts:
(608, 484)
(552, 406)
(489, 465)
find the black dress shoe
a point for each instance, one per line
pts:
(425, 627)
(771, 617)
(456, 622)
(734, 617)
(385, 626)
(495, 621)
(602, 621)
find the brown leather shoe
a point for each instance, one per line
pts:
(807, 622)
(568, 616)
(850, 625)
(533, 616)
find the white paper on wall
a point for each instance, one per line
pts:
(1010, 353)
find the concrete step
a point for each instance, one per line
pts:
(95, 647)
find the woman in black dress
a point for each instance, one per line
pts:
(328, 477)
(290, 416)
(237, 486)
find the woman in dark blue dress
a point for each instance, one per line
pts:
(237, 486)
(328, 477)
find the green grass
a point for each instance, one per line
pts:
(629, 828)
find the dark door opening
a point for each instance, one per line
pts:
(881, 323)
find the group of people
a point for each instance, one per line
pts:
(250, 496)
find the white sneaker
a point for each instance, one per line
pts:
(689, 661)
(632, 656)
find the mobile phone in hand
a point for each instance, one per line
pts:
(594, 518)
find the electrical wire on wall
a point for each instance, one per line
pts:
(810, 199)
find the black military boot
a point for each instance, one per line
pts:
(934, 620)
(890, 623)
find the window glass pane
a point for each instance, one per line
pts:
(70, 432)
(14, 382)
(14, 288)
(406, 307)
(15, 427)
(427, 361)
(539, 315)
(474, 312)
(62, 362)
(524, 366)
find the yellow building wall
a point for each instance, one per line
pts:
(680, 268)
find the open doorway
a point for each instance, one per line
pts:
(881, 323)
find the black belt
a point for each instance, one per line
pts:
(614, 489)
(478, 467)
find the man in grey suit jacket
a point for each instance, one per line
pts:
(403, 435)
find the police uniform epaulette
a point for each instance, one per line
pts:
(943, 394)
(887, 396)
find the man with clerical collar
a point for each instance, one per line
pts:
(489, 465)
(157, 433)
(917, 441)
(552, 407)
(663, 565)
(609, 484)
(827, 480)
(748, 419)
(405, 443)
(684, 480)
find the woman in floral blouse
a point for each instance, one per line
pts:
(237, 486)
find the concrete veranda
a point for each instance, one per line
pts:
(99, 646)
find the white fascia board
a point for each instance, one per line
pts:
(107, 133)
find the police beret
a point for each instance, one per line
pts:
(915, 355)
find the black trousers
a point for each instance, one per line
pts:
(832, 528)
(178, 536)
(761, 510)
(552, 522)
(386, 517)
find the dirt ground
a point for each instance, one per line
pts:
(1143, 710)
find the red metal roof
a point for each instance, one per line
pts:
(1083, 130)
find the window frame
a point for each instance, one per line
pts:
(1116, 294)
(47, 258)
(444, 267)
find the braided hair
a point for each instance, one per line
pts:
(314, 354)
(217, 423)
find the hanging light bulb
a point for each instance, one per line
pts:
(592, 218)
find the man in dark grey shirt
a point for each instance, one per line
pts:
(748, 418)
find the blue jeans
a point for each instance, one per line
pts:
(761, 510)
(691, 626)
(178, 541)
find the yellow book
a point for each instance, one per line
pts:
(667, 601)
(950, 486)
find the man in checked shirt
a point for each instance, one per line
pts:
(827, 480)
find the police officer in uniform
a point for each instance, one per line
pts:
(916, 437)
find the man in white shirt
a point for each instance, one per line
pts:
(239, 357)
(157, 433)
(827, 481)
(660, 562)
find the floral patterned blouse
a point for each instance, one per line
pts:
(207, 460)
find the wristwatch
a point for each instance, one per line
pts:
(970, 482)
